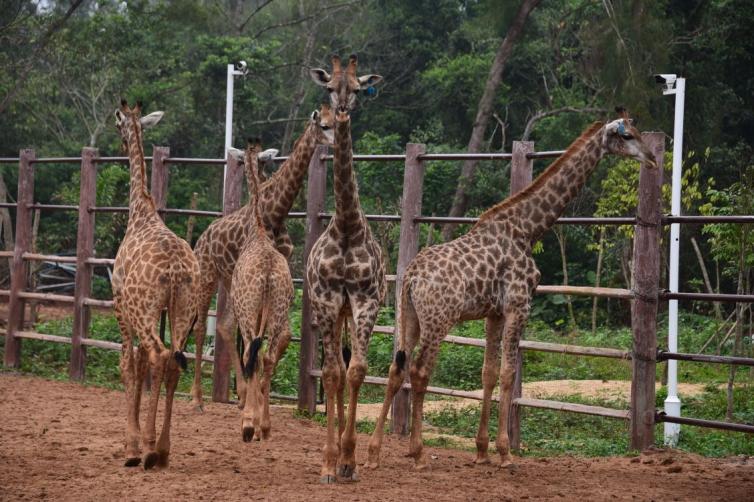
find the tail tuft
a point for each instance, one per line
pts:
(346, 356)
(400, 359)
(181, 359)
(256, 344)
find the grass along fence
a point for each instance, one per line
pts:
(645, 295)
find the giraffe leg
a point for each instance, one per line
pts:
(251, 417)
(364, 316)
(280, 337)
(141, 362)
(132, 386)
(330, 380)
(226, 328)
(516, 314)
(409, 334)
(490, 373)
(172, 372)
(206, 292)
(158, 357)
(338, 340)
(420, 372)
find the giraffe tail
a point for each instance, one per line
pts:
(256, 343)
(400, 354)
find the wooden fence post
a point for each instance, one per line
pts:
(84, 251)
(521, 176)
(19, 271)
(646, 285)
(159, 182)
(221, 368)
(315, 203)
(411, 207)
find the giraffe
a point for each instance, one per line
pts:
(489, 273)
(261, 293)
(345, 276)
(153, 269)
(217, 248)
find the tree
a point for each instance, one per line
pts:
(484, 109)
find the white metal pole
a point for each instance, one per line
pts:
(672, 402)
(228, 121)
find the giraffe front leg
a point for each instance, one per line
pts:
(490, 374)
(330, 381)
(200, 331)
(226, 328)
(516, 315)
(364, 316)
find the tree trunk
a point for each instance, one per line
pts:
(192, 219)
(705, 275)
(597, 274)
(301, 82)
(484, 111)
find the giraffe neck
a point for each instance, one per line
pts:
(140, 202)
(281, 189)
(538, 206)
(252, 180)
(347, 206)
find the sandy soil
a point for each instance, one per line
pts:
(64, 441)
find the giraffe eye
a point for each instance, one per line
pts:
(627, 136)
(325, 128)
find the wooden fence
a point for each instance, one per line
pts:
(645, 294)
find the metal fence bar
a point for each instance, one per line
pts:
(704, 358)
(713, 424)
(54, 207)
(708, 297)
(545, 154)
(666, 220)
(371, 217)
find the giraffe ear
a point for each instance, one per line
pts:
(367, 81)
(268, 154)
(320, 76)
(236, 154)
(151, 120)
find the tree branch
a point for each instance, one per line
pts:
(549, 113)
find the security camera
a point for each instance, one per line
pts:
(668, 79)
(241, 67)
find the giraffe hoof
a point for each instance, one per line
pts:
(133, 461)
(265, 434)
(348, 472)
(328, 479)
(150, 460)
(248, 434)
(482, 460)
(199, 408)
(163, 459)
(509, 466)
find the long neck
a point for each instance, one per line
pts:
(538, 206)
(347, 206)
(140, 202)
(252, 180)
(279, 192)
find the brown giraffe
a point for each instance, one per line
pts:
(154, 269)
(217, 248)
(261, 293)
(490, 273)
(345, 276)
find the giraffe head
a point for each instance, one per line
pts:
(322, 122)
(343, 85)
(130, 123)
(621, 137)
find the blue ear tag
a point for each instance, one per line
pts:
(621, 128)
(371, 91)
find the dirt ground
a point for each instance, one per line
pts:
(64, 441)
